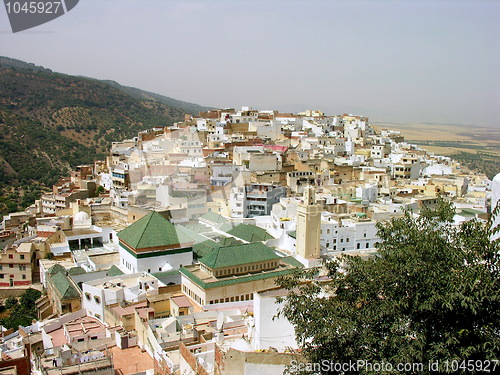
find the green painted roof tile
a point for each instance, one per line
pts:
(226, 227)
(250, 233)
(292, 261)
(56, 268)
(230, 256)
(152, 230)
(64, 286)
(235, 280)
(204, 248)
(114, 271)
(214, 218)
(189, 235)
(76, 271)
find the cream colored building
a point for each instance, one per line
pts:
(16, 265)
(233, 273)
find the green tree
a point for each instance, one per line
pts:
(100, 190)
(24, 311)
(431, 294)
(10, 302)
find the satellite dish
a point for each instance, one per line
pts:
(220, 320)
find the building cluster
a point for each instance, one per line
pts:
(171, 265)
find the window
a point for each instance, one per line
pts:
(1, 275)
(93, 338)
(24, 277)
(11, 266)
(11, 256)
(97, 299)
(22, 256)
(87, 295)
(81, 340)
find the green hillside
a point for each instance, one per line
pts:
(191, 108)
(50, 122)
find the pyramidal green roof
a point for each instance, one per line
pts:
(230, 256)
(56, 268)
(152, 230)
(64, 286)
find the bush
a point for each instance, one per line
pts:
(10, 302)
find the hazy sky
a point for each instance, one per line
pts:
(405, 61)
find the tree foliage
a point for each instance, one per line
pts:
(23, 312)
(431, 294)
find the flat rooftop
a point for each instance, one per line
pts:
(131, 360)
(79, 232)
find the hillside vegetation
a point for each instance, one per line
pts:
(50, 122)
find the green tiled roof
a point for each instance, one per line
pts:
(214, 218)
(198, 228)
(165, 273)
(56, 268)
(293, 234)
(230, 256)
(64, 286)
(204, 248)
(152, 230)
(292, 261)
(471, 212)
(235, 280)
(226, 227)
(76, 271)
(189, 235)
(114, 271)
(229, 241)
(250, 233)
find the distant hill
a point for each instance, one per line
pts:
(193, 109)
(50, 122)
(8, 62)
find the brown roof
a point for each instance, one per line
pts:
(181, 301)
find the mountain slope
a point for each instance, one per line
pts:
(191, 108)
(134, 92)
(50, 122)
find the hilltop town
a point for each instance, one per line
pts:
(164, 256)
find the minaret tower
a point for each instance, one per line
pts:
(308, 226)
(495, 199)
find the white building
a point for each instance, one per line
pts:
(110, 290)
